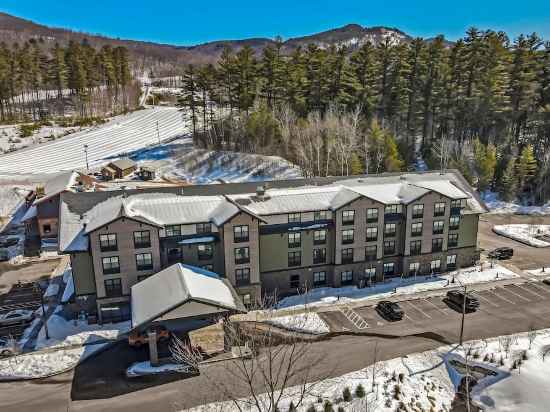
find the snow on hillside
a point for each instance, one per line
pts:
(498, 206)
(11, 140)
(179, 161)
(10, 198)
(532, 235)
(122, 134)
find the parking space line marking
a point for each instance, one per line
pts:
(507, 288)
(537, 286)
(501, 297)
(408, 317)
(530, 291)
(418, 310)
(486, 300)
(435, 306)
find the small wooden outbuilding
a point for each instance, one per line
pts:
(118, 169)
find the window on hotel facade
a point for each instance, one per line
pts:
(414, 268)
(294, 281)
(108, 242)
(437, 244)
(416, 229)
(347, 255)
(451, 262)
(242, 255)
(456, 203)
(439, 209)
(418, 211)
(389, 269)
(348, 217)
(435, 266)
(294, 258)
(174, 254)
(319, 237)
(372, 234)
(209, 267)
(204, 228)
(438, 227)
(142, 239)
(416, 247)
(319, 256)
(370, 273)
(319, 278)
(372, 215)
(294, 239)
(113, 288)
(454, 222)
(453, 240)
(390, 229)
(205, 251)
(240, 233)
(389, 247)
(391, 209)
(242, 276)
(173, 230)
(144, 261)
(320, 215)
(347, 236)
(110, 265)
(294, 218)
(370, 253)
(346, 277)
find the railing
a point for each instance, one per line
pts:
(108, 248)
(142, 245)
(456, 210)
(111, 271)
(393, 217)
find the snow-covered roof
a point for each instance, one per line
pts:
(122, 164)
(179, 285)
(30, 213)
(57, 185)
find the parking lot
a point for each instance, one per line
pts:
(426, 313)
(24, 296)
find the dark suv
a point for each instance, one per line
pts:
(389, 310)
(501, 253)
(455, 299)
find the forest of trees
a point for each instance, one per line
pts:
(38, 83)
(481, 105)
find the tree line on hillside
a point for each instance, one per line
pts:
(481, 105)
(38, 83)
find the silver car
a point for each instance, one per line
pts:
(16, 317)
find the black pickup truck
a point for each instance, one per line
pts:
(456, 299)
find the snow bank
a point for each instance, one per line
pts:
(396, 286)
(38, 364)
(145, 368)
(309, 322)
(539, 272)
(64, 333)
(68, 292)
(501, 207)
(525, 233)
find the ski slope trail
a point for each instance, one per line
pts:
(120, 135)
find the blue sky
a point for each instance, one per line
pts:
(187, 22)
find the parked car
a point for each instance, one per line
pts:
(11, 241)
(138, 339)
(16, 317)
(390, 310)
(501, 253)
(4, 255)
(456, 299)
(8, 347)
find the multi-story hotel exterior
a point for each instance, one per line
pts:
(274, 238)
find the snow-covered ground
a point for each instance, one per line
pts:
(428, 381)
(309, 322)
(396, 286)
(43, 363)
(145, 368)
(501, 207)
(540, 271)
(125, 133)
(65, 333)
(11, 139)
(529, 234)
(180, 161)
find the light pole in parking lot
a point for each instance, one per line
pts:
(38, 288)
(86, 157)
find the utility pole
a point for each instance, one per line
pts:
(463, 316)
(158, 132)
(86, 156)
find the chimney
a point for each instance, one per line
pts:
(260, 192)
(40, 191)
